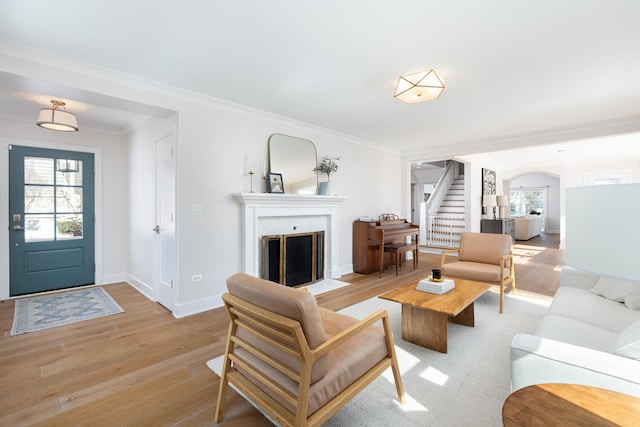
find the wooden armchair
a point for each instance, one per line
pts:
(294, 361)
(483, 257)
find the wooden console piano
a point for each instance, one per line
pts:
(370, 238)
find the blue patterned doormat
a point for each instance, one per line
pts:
(37, 313)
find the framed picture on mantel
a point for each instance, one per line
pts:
(274, 183)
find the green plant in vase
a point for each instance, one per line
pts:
(327, 166)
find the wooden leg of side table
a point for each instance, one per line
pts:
(425, 327)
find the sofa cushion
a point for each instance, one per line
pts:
(628, 342)
(473, 271)
(289, 302)
(614, 289)
(632, 300)
(571, 276)
(574, 332)
(584, 306)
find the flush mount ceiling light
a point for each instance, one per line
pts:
(57, 118)
(419, 87)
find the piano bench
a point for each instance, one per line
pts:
(399, 250)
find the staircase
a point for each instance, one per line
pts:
(445, 211)
(445, 227)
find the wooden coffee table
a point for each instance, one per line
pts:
(425, 315)
(569, 405)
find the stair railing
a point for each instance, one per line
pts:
(440, 190)
(441, 231)
(441, 226)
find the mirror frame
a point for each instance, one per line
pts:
(285, 157)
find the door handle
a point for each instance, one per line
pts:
(157, 229)
(18, 228)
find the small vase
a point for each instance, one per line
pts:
(323, 188)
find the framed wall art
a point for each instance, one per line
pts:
(488, 185)
(274, 183)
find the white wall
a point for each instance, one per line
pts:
(602, 229)
(213, 139)
(212, 145)
(111, 193)
(572, 174)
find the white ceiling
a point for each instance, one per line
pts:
(518, 73)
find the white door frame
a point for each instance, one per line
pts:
(165, 281)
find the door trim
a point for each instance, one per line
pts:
(171, 132)
(4, 204)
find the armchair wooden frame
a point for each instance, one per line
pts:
(506, 261)
(287, 335)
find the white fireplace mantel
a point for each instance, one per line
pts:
(288, 209)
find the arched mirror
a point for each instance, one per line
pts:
(295, 159)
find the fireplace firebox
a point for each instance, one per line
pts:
(293, 259)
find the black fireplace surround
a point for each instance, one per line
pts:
(293, 259)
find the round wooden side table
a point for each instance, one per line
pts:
(569, 405)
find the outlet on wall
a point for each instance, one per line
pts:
(196, 277)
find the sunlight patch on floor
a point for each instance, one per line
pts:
(406, 362)
(435, 376)
(410, 404)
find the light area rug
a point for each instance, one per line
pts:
(48, 311)
(467, 386)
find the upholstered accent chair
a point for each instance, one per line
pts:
(482, 257)
(296, 362)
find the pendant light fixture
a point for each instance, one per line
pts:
(57, 118)
(419, 87)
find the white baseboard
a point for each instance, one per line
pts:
(199, 306)
(180, 310)
(341, 270)
(142, 287)
(113, 278)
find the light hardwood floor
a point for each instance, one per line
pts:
(145, 368)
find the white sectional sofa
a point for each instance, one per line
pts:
(590, 335)
(528, 226)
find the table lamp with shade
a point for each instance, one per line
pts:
(489, 201)
(503, 206)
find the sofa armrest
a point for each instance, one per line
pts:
(571, 276)
(537, 360)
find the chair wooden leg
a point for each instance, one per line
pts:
(501, 295)
(394, 360)
(222, 392)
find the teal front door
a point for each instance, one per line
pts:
(51, 219)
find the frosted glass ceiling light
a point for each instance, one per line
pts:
(419, 87)
(57, 118)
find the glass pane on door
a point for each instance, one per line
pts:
(53, 197)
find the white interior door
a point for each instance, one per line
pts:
(165, 230)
